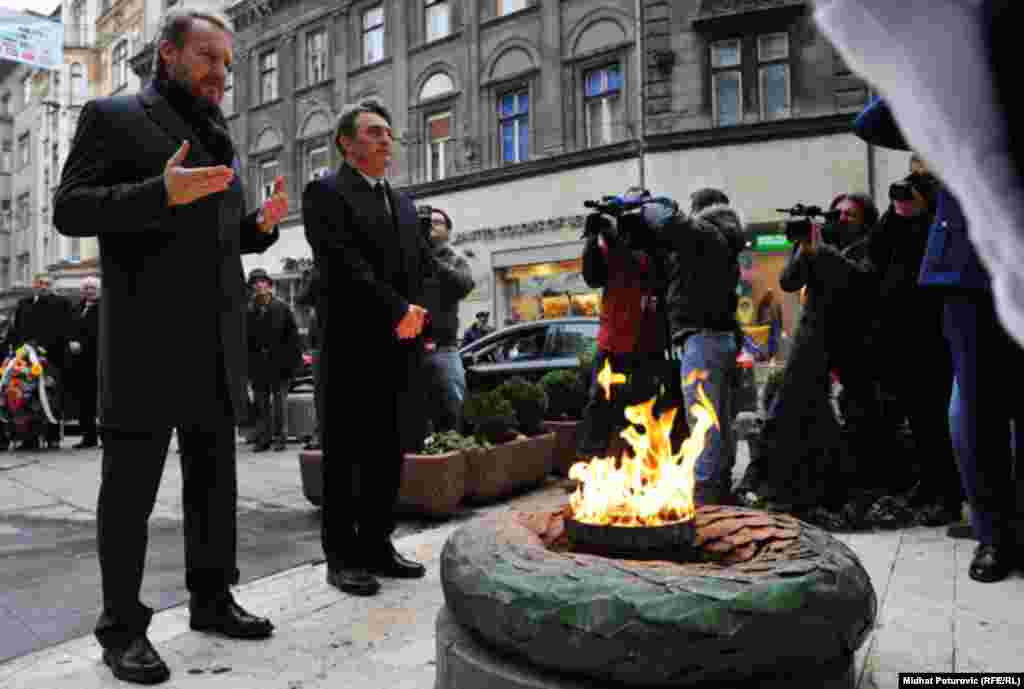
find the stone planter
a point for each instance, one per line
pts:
(312, 479)
(508, 468)
(433, 485)
(563, 452)
(301, 415)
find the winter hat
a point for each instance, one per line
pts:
(258, 274)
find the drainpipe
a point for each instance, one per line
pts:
(871, 157)
(641, 131)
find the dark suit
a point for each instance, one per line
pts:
(370, 265)
(46, 320)
(172, 341)
(85, 365)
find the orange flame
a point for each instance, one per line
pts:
(655, 486)
(606, 379)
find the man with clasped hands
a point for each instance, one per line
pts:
(371, 257)
(154, 176)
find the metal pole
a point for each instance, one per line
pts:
(641, 130)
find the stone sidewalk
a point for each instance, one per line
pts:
(932, 617)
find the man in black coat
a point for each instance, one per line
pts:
(44, 319)
(371, 258)
(154, 176)
(275, 351)
(84, 348)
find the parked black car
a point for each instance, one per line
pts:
(532, 349)
(527, 349)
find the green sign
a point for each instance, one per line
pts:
(772, 242)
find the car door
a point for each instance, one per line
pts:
(519, 352)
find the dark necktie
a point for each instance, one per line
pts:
(382, 194)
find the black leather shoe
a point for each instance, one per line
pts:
(280, 446)
(357, 582)
(85, 444)
(137, 662)
(223, 615)
(389, 563)
(991, 563)
(261, 447)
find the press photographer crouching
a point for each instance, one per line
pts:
(800, 462)
(917, 368)
(448, 279)
(631, 337)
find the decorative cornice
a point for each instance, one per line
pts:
(532, 168)
(487, 234)
(793, 128)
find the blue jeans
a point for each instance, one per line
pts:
(715, 353)
(446, 388)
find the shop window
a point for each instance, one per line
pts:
(548, 290)
(603, 104)
(437, 19)
(514, 126)
(373, 35)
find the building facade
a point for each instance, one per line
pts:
(511, 113)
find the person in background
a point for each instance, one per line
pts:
(44, 319)
(84, 348)
(447, 282)
(307, 298)
(275, 352)
(478, 329)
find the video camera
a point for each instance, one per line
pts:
(638, 216)
(799, 230)
(425, 215)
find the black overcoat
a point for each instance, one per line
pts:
(370, 267)
(275, 350)
(47, 322)
(173, 294)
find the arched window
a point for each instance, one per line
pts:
(119, 64)
(79, 88)
(437, 85)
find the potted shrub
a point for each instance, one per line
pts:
(565, 408)
(529, 403)
(533, 452)
(434, 479)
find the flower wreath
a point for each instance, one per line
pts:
(20, 383)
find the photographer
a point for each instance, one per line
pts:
(631, 337)
(702, 275)
(447, 282)
(917, 370)
(800, 440)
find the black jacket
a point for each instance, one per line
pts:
(46, 321)
(447, 282)
(842, 288)
(275, 350)
(702, 270)
(173, 292)
(86, 330)
(371, 267)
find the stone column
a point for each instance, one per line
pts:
(399, 31)
(339, 40)
(291, 154)
(552, 140)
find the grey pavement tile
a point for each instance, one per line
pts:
(58, 670)
(16, 495)
(984, 645)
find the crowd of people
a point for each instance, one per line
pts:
(155, 177)
(65, 333)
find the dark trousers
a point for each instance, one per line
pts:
(133, 463)
(988, 364)
(86, 382)
(920, 375)
(271, 399)
(360, 480)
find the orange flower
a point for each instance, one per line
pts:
(37, 370)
